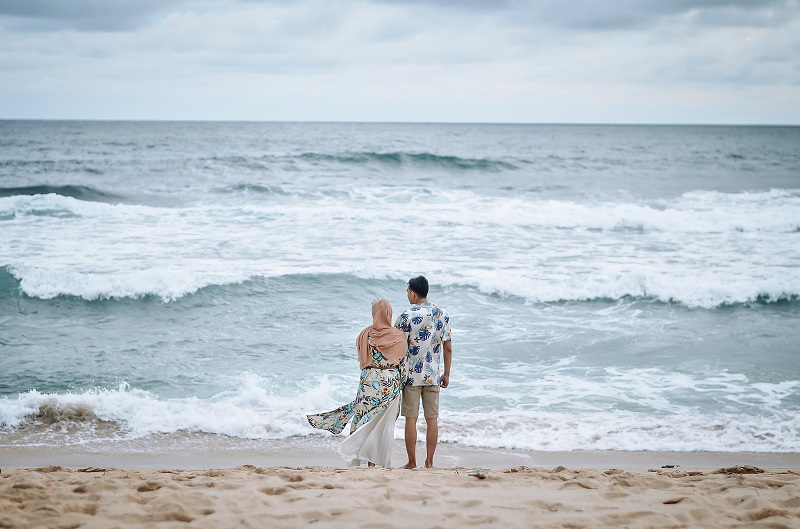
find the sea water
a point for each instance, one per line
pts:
(611, 287)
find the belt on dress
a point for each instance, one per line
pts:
(381, 367)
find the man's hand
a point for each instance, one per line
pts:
(444, 380)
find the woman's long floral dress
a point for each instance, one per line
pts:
(379, 386)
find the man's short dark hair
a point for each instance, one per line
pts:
(419, 285)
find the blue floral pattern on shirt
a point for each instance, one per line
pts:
(426, 327)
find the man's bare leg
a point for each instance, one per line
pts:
(411, 442)
(431, 438)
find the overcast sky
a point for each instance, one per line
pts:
(564, 61)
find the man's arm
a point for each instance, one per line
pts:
(444, 380)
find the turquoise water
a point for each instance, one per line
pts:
(611, 287)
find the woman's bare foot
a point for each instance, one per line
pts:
(410, 466)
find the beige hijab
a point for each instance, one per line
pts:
(386, 339)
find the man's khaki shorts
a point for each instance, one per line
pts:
(430, 401)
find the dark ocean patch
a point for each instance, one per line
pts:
(295, 285)
(9, 285)
(401, 159)
(253, 188)
(782, 300)
(85, 193)
(39, 166)
(761, 300)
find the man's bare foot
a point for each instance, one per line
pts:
(410, 466)
(428, 464)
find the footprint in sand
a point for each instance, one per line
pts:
(150, 486)
(274, 491)
(291, 477)
(615, 495)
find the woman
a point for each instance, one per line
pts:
(381, 349)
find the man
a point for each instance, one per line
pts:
(427, 328)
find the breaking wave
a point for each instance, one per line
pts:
(86, 193)
(424, 159)
(703, 249)
(257, 409)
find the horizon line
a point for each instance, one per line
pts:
(390, 122)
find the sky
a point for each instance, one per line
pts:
(508, 61)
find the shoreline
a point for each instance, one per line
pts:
(188, 481)
(322, 453)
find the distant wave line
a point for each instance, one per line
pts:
(424, 158)
(11, 285)
(85, 193)
(393, 159)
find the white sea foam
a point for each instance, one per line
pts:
(619, 430)
(252, 411)
(631, 409)
(703, 249)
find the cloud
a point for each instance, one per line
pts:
(639, 14)
(88, 15)
(585, 15)
(401, 60)
(624, 14)
(478, 5)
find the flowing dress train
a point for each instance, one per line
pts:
(373, 413)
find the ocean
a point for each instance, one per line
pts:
(181, 285)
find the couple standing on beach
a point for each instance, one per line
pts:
(399, 367)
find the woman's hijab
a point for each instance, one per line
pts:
(386, 339)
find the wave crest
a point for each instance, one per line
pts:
(51, 412)
(703, 249)
(85, 193)
(252, 411)
(424, 159)
(258, 409)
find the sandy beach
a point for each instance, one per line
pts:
(250, 496)
(490, 488)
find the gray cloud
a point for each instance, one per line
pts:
(88, 15)
(632, 14)
(626, 14)
(505, 60)
(116, 15)
(482, 5)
